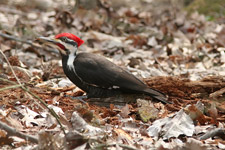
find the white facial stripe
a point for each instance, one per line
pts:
(70, 40)
(72, 55)
(72, 49)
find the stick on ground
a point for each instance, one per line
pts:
(13, 132)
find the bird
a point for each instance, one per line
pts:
(96, 75)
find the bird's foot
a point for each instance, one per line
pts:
(80, 98)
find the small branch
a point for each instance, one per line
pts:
(217, 93)
(29, 42)
(5, 80)
(10, 67)
(100, 146)
(216, 132)
(17, 39)
(204, 84)
(13, 132)
(127, 147)
(10, 87)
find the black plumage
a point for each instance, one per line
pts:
(100, 77)
(96, 75)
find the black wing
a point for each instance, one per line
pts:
(97, 70)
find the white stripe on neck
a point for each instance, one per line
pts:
(70, 61)
(72, 55)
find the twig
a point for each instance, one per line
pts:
(29, 42)
(17, 39)
(216, 132)
(10, 87)
(127, 147)
(100, 146)
(28, 91)
(10, 67)
(13, 132)
(204, 84)
(217, 93)
(5, 80)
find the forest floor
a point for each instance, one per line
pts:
(178, 53)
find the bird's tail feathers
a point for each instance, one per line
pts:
(157, 95)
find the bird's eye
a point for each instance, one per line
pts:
(64, 39)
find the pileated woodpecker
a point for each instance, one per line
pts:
(96, 75)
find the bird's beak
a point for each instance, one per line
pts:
(52, 42)
(48, 40)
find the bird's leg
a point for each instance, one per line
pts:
(80, 98)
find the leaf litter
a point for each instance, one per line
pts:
(177, 53)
